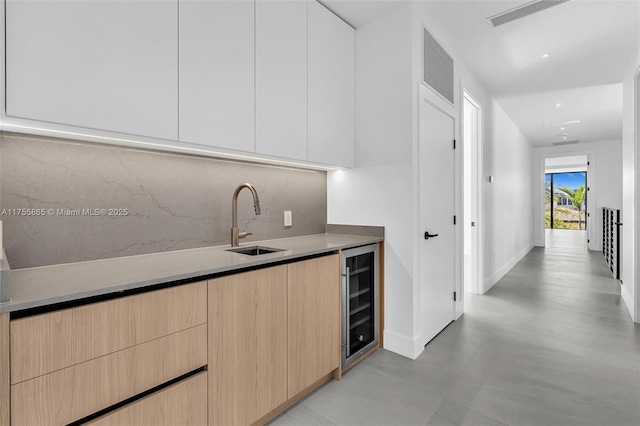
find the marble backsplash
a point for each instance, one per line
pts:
(92, 201)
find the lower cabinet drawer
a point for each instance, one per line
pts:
(45, 343)
(181, 404)
(83, 389)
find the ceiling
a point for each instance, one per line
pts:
(359, 12)
(589, 43)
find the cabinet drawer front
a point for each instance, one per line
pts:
(49, 342)
(181, 404)
(72, 393)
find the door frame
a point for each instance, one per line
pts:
(587, 219)
(477, 270)
(539, 237)
(635, 315)
(426, 94)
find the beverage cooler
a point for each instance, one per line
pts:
(359, 302)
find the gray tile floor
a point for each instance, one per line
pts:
(550, 344)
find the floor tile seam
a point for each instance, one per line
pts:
(526, 375)
(588, 346)
(414, 388)
(613, 334)
(574, 417)
(610, 354)
(578, 308)
(551, 309)
(575, 310)
(365, 402)
(610, 331)
(467, 406)
(386, 376)
(292, 410)
(534, 381)
(576, 283)
(591, 288)
(584, 371)
(466, 414)
(466, 365)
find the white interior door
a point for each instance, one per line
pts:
(437, 209)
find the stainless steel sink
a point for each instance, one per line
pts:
(254, 250)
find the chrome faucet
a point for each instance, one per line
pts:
(235, 232)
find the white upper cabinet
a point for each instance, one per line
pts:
(331, 88)
(217, 73)
(281, 78)
(99, 64)
(271, 77)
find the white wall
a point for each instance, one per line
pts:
(604, 180)
(508, 157)
(382, 189)
(630, 189)
(577, 162)
(634, 297)
(379, 190)
(384, 126)
(506, 234)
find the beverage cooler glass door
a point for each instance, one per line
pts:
(359, 302)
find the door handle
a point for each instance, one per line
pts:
(427, 235)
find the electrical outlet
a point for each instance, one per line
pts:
(288, 218)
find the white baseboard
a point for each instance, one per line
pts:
(402, 345)
(497, 276)
(627, 298)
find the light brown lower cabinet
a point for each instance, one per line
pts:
(314, 320)
(181, 404)
(273, 333)
(247, 345)
(72, 363)
(75, 392)
(267, 337)
(41, 344)
(5, 368)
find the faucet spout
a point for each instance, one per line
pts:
(235, 232)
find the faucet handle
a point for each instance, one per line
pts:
(244, 234)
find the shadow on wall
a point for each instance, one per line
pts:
(91, 201)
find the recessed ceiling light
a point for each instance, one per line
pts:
(558, 105)
(564, 137)
(545, 55)
(564, 123)
(565, 142)
(522, 11)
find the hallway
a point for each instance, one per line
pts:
(550, 344)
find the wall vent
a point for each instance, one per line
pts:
(522, 11)
(437, 67)
(565, 142)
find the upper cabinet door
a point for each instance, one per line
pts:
(217, 73)
(331, 88)
(281, 78)
(100, 64)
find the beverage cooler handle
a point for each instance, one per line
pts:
(347, 308)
